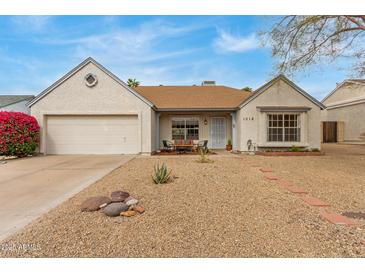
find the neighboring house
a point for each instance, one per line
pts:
(343, 118)
(91, 111)
(16, 103)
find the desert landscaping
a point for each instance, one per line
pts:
(226, 208)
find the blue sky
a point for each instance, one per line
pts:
(171, 50)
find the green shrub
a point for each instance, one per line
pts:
(161, 174)
(229, 142)
(294, 149)
(203, 156)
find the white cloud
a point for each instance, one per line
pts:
(31, 23)
(129, 46)
(227, 42)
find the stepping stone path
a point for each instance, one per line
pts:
(284, 184)
(296, 189)
(314, 201)
(264, 170)
(271, 178)
(337, 219)
(331, 217)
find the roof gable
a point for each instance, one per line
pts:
(75, 70)
(266, 86)
(7, 100)
(345, 82)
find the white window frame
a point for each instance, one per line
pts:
(185, 118)
(283, 127)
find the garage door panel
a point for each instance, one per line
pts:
(92, 135)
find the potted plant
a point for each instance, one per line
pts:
(229, 145)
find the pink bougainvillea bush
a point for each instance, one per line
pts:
(19, 134)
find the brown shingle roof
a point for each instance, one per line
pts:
(193, 97)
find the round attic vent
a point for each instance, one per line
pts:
(91, 80)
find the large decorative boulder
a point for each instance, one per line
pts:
(131, 201)
(94, 203)
(119, 196)
(114, 209)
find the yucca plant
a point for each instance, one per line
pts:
(203, 156)
(161, 174)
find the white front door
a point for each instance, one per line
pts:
(218, 132)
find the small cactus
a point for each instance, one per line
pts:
(161, 175)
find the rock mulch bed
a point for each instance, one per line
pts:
(224, 209)
(312, 201)
(289, 153)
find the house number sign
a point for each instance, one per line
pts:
(247, 118)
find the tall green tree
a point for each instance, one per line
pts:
(133, 83)
(301, 41)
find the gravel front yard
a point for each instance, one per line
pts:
(222, 209)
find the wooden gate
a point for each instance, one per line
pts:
(329, 132)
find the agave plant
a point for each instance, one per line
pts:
(161, 174)
(203, 153)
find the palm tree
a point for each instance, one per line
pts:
(247, 89)
(133, 83)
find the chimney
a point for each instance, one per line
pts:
(208, 83)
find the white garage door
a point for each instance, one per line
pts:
(102, 134)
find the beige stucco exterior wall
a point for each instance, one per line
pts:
(204, 130)
(346, 92)
(353, 118)
(252, 123)
(107, 97)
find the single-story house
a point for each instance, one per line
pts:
(16, 103)
(343, 118)
(91, 111)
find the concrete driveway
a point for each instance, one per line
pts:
(30, 187)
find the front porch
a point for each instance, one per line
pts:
(217, 127)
